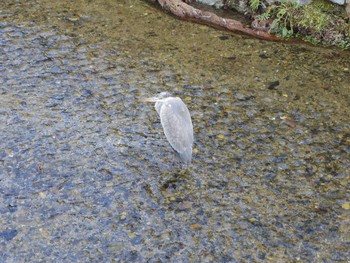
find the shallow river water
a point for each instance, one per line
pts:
(87, 175)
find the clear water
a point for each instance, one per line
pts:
(86, 173)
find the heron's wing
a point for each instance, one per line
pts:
(177, 126)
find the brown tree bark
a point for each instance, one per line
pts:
(187, 12)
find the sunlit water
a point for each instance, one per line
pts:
(86, 173)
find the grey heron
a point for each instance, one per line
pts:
(176, 121)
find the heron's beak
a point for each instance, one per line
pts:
(151, 99)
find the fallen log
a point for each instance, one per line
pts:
(188, 12)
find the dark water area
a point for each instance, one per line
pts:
(87, 175)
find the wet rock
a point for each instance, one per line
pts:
(244, 97)
(272, 85)
(8, 235)
(338, 2)
(215, 3)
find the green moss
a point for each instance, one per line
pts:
(319, 22)
(324, 22)
(311, 17)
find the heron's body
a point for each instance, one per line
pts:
(177, 124)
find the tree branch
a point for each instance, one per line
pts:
(187, 12)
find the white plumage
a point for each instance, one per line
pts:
(177, 124)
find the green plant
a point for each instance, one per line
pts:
(254, 4)
(263, 16)
(283, 23)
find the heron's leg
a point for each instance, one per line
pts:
(153, 189)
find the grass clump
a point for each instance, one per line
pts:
(318, 22)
